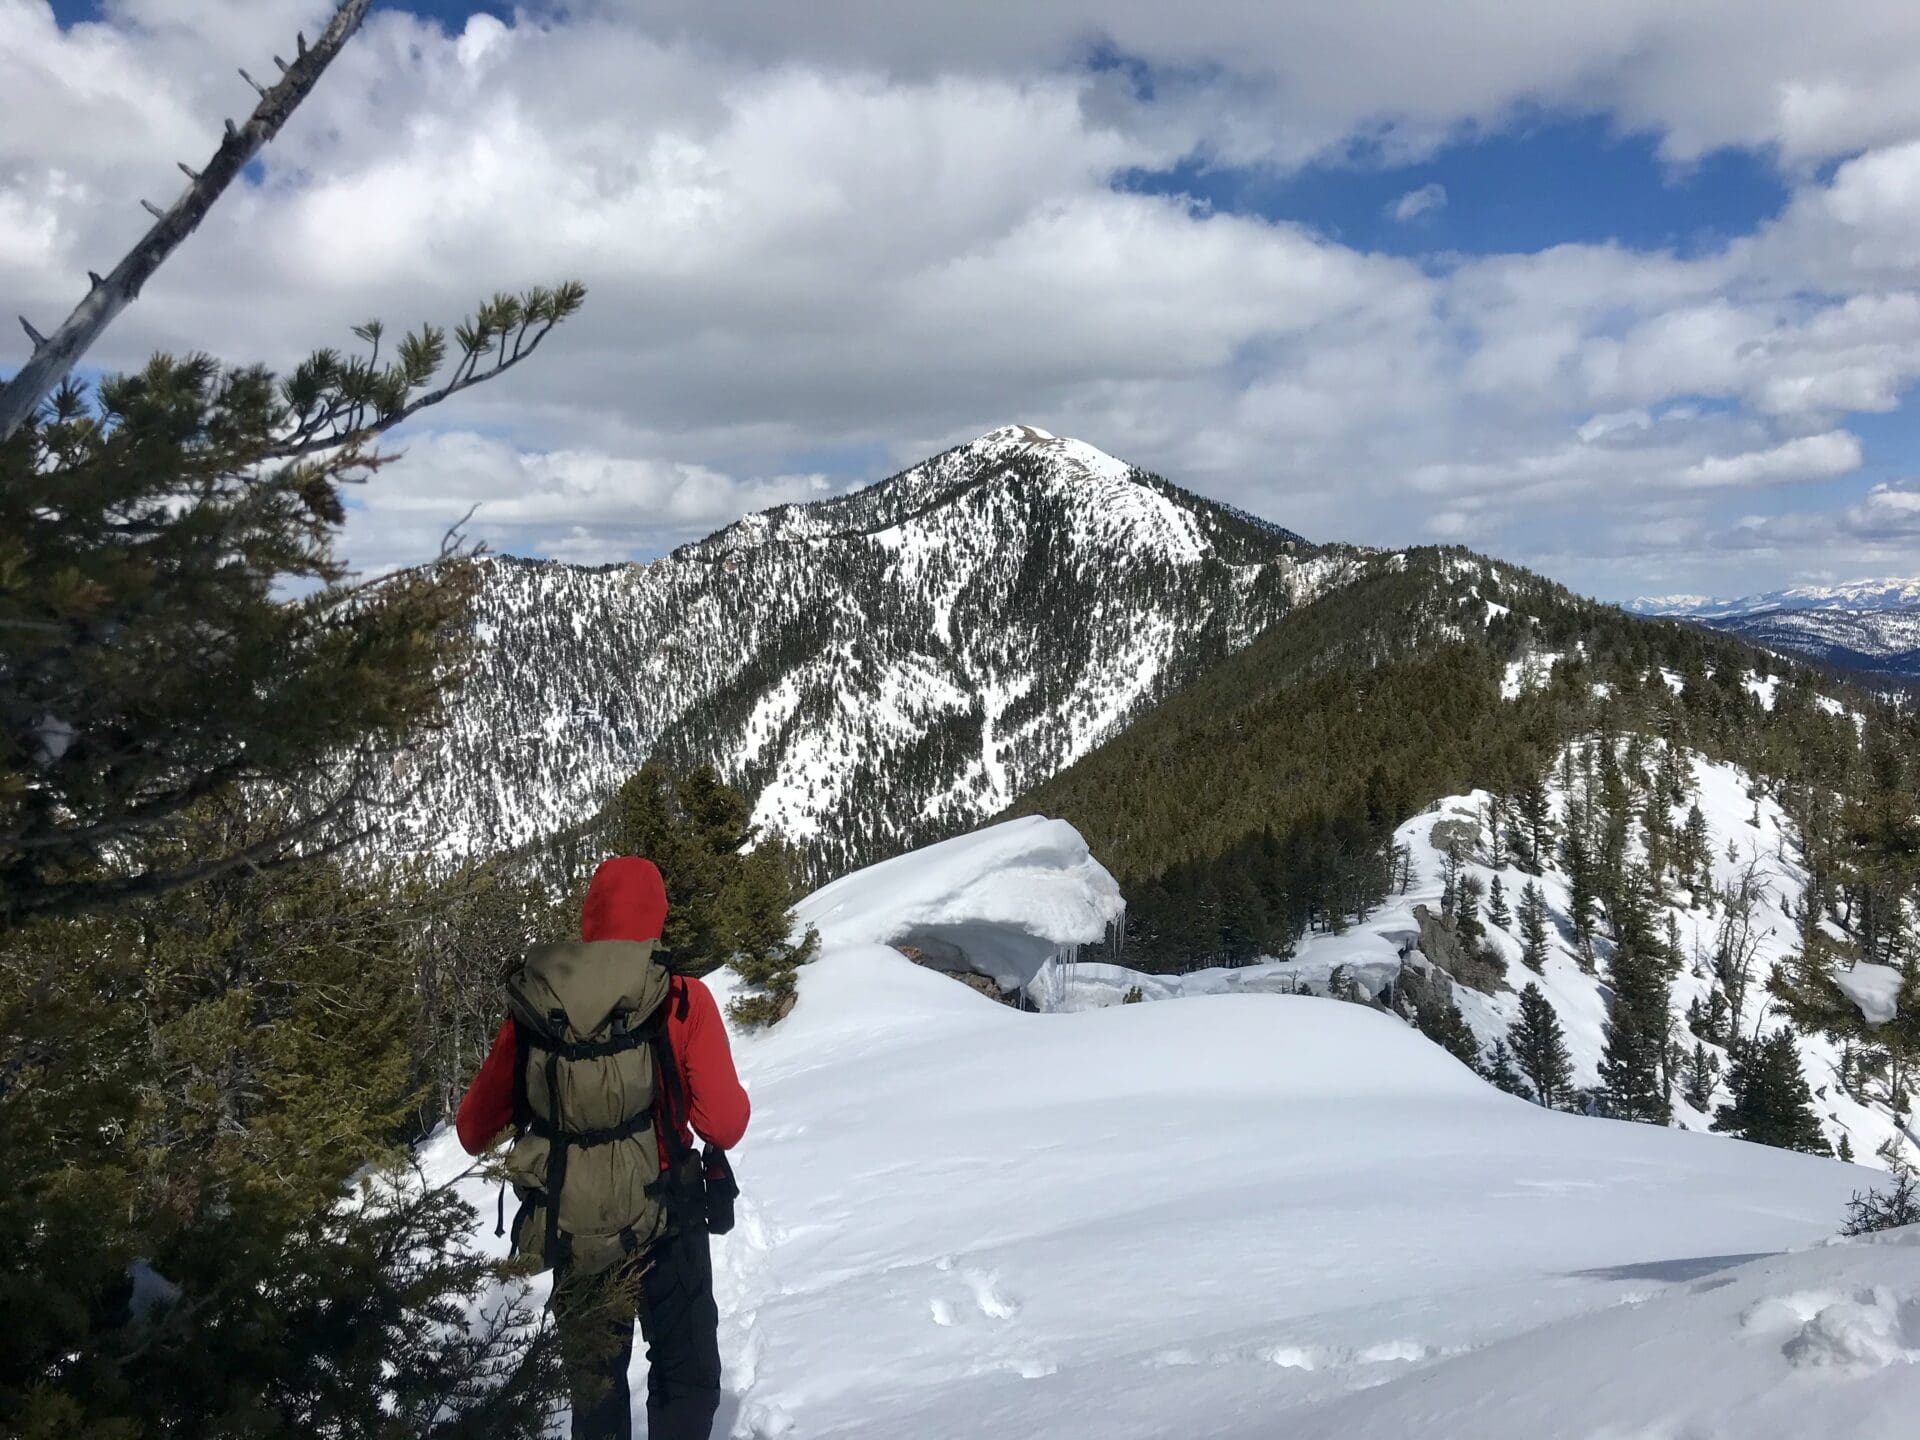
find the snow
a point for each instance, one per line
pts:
(1002, 901)
(1254, 1215)
(1823, 1342)
(1094, 983)
(1874, 988)
(1878, 594)
(1371, 949)
(1529, 673)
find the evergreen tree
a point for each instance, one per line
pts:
(1694, 855)
(1466, 917)
(1533, 927)
(203, 1074)
(1531, 835)
(1539, 1047)
(728, 890)
(1700, 1077)
(190, 511)
(1498, 915)
(1498, 1070)
(1440, 1020)
(1582, 899)
(211, 1001)
(1771, 1102)
(1633, 1060)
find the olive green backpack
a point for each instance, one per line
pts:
(593, 1058)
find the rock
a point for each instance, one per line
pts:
(986, 985)
(1442, 945)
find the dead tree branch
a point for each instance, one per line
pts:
(56, 354)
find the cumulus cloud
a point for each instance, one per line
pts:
(579, 505)
(1427, 200)
(821, 243)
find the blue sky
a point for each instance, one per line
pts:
(1627, 294)
(1549, 180)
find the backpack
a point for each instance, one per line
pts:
(592, 1066)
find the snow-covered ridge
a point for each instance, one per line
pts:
(1240, 1216)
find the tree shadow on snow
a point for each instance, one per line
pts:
(1671, 1270)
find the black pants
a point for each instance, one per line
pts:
(673, 1296)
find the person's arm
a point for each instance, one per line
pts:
(717, 1104)
(487, 1107)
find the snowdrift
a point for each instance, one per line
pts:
(1001, 901)
(1249, 1215)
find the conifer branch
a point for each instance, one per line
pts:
(51, 361)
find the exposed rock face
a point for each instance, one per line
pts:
(1442, 945)
(973, 981)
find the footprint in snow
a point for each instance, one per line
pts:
(1316, 1357)
(1871, 1329)
(987, 1295)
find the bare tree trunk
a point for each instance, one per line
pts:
(56, 354)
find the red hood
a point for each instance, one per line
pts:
(626, 901)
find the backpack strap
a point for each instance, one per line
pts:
(680, 1188)
(522, 1122)
(556, 1249)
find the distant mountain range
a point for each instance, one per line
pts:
(1867, 625)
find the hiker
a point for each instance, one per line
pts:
(613, 1197)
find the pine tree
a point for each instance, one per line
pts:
(202, 1080)
(1539, 1046)
(728, 890)
(190, 511)
(1581, 899)
(1533, 927)
(1498, 1070)
(1440, 1020)
(1700, 1077)
(1498, 915)
(1531, 835)
(1694, 857)
(1633, 1060)
(1845, 1151)
(1771, 1102)
(1466, 916)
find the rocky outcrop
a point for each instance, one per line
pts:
(1468, 964)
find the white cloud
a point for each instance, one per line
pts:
(1427, 200)
(868, 231)
(1810, 457)
(580, 505)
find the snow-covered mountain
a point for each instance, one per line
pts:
(1854, 595)
(1869, 625)
(1242, 1215)
(877, 669)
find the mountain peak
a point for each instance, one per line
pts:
(1073, 459)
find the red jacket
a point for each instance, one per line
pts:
(627, 901)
